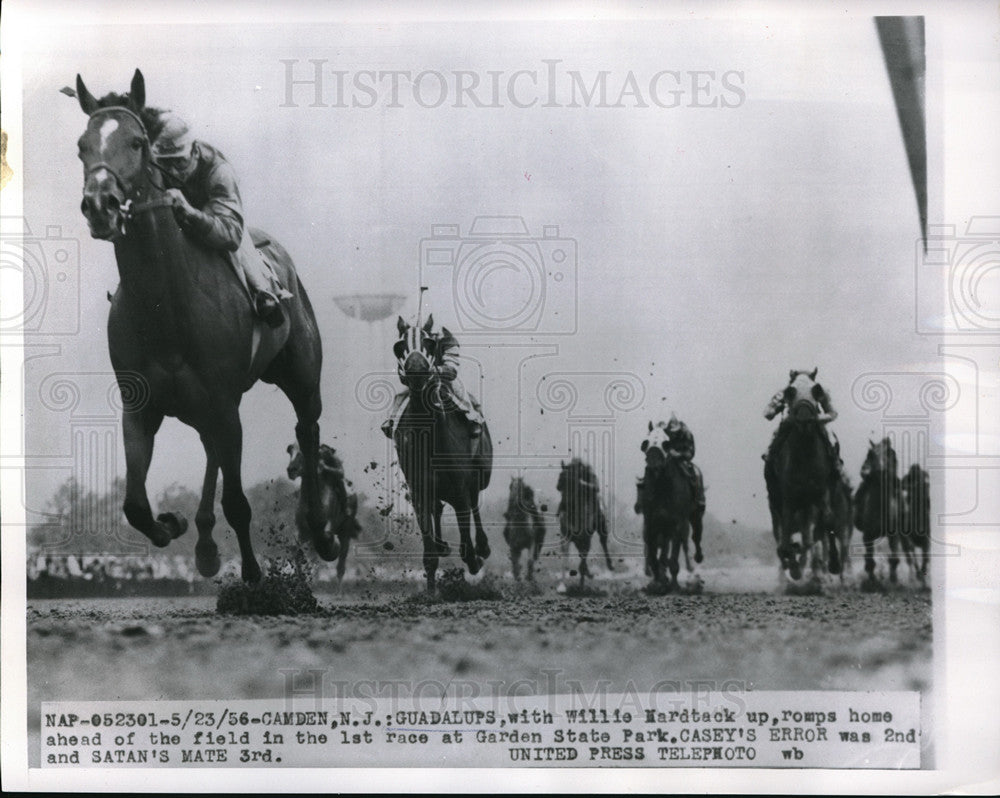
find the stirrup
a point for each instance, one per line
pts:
(475, 429)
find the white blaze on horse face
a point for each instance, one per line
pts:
(107, 128)
(803, 386)
(656, 439)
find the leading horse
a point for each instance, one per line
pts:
(183, 339)
(440, 458)
(800, 474)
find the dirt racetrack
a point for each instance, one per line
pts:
(753, 637)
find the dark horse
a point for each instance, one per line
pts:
(799, 475)
(182, 334)
(580, 513)
(667, 502)
(877, 504)
(440, 458)
(524, 529)
(915, 529)
(340, 508)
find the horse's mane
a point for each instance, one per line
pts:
(151, 116)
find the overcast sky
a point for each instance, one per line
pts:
(715, 247)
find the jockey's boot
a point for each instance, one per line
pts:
(269, 308)
(475, 429)
(387, 428)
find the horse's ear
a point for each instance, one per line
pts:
(399, 349)
(429, 325)
(137, 92)
(401, 326)
(813, 373)
(791, 375)
(562, 463)
(650, 426)
(87, 100)
(644, 446)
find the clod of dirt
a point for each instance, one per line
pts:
(453, 587)
(583, 591)
(283, 590)
(813, 587)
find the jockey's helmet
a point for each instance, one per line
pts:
(173, 147)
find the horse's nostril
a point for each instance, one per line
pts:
(113, 203)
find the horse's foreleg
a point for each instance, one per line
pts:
(466, 550)
(515, 562)
(786, 551)
(206, 552)
(602, 535)
(139, 428)
(652, 561)
(310, 502)
(443, 549)
(869, 555)
(482, 543)
(345, 544)
(893, 536)
(227, 442)
(426, 523)
(674, 560)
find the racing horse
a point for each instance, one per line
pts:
(524, 529)
(877, 504)
(580, 513)
(183, 338)
(915, 519)
(799, 481)
(667, 502)
(340, 508)
(440, 458)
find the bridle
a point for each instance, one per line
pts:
(133, 204)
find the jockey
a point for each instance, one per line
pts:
(207, 205)
(778, 404)
(444, 365)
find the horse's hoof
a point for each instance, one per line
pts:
(176, 525)
(206, 558)
(251, 571)
(795, 572)
(328, 549)
(475, 565)
(483, 550)
(698, 556)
